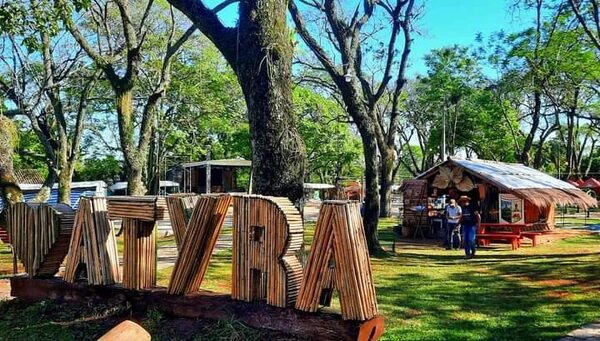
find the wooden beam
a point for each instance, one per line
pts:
(207, 305)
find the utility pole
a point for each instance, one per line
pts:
(207, 168)
(444, 157)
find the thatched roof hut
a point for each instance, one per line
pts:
(539, 188)
(492, 185)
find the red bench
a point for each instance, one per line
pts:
(532, 236)
(513, 237)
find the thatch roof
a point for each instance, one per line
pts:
(537, 187)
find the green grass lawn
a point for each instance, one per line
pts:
(218, 275)
(537, 293)
(428, 293)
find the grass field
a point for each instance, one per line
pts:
(428, 293)
(537, 293)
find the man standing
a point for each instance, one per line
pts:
(453, 215)
(470, 221)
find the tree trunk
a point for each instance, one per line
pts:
(135, 186)
(590, 159)
(537, 108)
(371, 203)
(153, 166)
(44, 193)
(367, 128)
(538, 160)
(264, 73)
(134, 156)
(571, 142)
(386, 182)
(259, 50)
(64, 176)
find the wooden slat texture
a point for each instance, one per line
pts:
(139, 258)
(40, 236)
(339, 258)
(198, 244)
(144, 208)
(180, 208)
(267, 234)
(139, 215)
(93, 245)
(414, 193)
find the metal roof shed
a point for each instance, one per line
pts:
(539, 188)
(210, 175)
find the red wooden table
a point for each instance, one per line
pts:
(516, 230)
(513, 237)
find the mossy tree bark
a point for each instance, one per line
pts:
(259, 51)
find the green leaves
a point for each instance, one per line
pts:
(108, 169)
(11, 16)
(26, 21)
(333, 150)
(208, 107)
(476, 118)
(81, 4)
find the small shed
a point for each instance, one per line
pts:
(165, 187)
(223, 175)
(505, 193)
(317, 191)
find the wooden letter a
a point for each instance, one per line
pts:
(339, 258)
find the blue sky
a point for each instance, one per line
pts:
(447, 22)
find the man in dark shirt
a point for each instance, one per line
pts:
(470, 220)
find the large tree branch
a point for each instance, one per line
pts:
(163, 83)
(140, 30)
(311, 42)
(131, 41)
(208, 22)
(50, 87)
(129, 31)
(390, 53)
(341, 31)
(78, 36)
(595, 38)
(79, 121)
(406, 25)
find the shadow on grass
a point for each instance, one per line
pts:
(495, 296)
